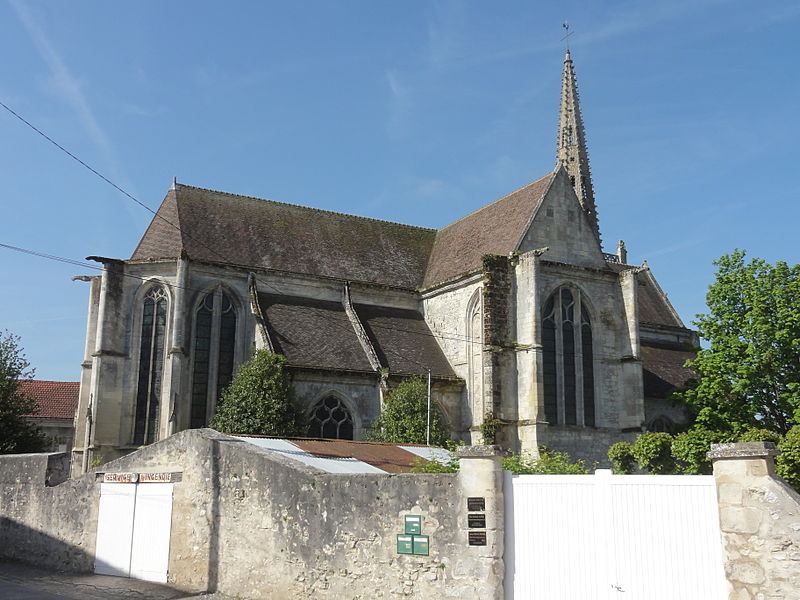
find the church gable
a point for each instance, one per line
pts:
(560, 224)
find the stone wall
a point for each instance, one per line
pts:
(760, 522)
(253, 524)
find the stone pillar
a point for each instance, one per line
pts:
(481, 476)
(760, 521)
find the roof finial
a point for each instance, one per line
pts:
(565, 39)
(174, 182)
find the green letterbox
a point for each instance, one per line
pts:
(405, 544)
(413, 524)
(421, 545)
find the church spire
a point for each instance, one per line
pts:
(571, 145)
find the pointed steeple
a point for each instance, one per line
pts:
(571, 148)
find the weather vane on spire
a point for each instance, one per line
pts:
(568, 33)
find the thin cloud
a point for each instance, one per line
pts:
(70, 89)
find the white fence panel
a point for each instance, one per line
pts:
(604, 537)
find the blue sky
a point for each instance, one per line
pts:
(417, 112)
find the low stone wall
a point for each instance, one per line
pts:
(760, 522)
(251, 523)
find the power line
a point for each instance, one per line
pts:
(108, 181)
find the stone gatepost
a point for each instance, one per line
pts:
(759, 517)
(481, 480)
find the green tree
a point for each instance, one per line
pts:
(621, 457)
(259, 400)
(653, 452)
(749, 376)
(17, 434)
(404, 416)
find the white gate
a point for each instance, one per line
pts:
(612, 537)
(133, 529)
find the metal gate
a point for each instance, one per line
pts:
(612, 537)
(133, 530)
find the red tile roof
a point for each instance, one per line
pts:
(55, 399)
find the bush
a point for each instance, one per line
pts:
(17, 434)
(548, 463)
(259, 400)
(436, 466)
(404, 417)
(689, 449)
(787, 465)
(755, 434)
(653, 452)
(620, 455)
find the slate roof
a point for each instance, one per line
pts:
(653, 304)
(313, 333)
(242, 230)
(55, 399)
(493, 229)
(664, 371)
(403, 340)
(318, 334)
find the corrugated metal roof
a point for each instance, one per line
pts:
(347, 456)
(286, 448)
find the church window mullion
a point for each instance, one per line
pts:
(213, 357)
(578, 333)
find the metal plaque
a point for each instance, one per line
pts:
(477, 538)
(120, 478)
(476, 503)
(405, 544)
(476, 521)
(413, 524)
(421, 545)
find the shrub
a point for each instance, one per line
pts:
(548, 463)
(490, 428)
(689, 449)
(259, 400)
(653, 452)
(620, 455)
(404, 417)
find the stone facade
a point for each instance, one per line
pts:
(760, 521)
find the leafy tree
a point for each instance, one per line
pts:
(787, 464)
(689, 449)
(17, 434)
(404, 417)
(259, 400)
(749, 376)
(548, 463)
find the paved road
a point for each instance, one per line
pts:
(23, 582)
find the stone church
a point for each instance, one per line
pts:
(515, 310)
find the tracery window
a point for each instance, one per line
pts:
(331, 419)
(151, 366)
(475, 357)
(214, 347)
(568, 365)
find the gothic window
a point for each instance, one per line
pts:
(661, 424)
(331, 419)
(567, 360)
(151, 366)
(214, 345)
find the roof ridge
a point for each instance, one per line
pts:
(49, 381)
(477, 210)
(322, 210)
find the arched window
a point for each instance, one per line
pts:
(568, 365)
(151, 366)
(661, 424)
(214, 345)
(475, 357)
(331, 419)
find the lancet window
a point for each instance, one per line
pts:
(568, 360)
(151, 366)
(213, 354)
